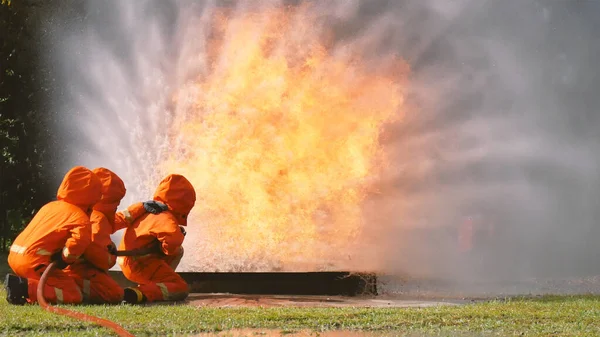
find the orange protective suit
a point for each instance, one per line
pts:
(155, 272)
(64, 225)
(91, 272)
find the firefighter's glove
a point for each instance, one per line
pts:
(112, 249)
(58, 259)
(182, 230)
(155, 207)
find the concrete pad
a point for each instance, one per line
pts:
(232, 300)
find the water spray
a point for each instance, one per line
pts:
(499, 118)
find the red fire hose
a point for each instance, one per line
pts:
(77, 315)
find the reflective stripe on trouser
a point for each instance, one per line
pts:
(98, 287)
(18, 249)
(85, 287)
(21, 250)
(158, 281)
(59, 289)
(59, 286)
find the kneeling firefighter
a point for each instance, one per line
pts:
(60, 232)
(91, 272)
(155, 272)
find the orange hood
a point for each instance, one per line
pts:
(177, 193)
(113, 190)
(80, 187)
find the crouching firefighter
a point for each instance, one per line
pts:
(60, 232)
(91, 272)
(155, 272)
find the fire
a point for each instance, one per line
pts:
(281, 141)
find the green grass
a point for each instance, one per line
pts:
(544, 316)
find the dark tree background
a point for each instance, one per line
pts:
(24, 139)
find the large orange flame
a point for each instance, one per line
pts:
(281, 141)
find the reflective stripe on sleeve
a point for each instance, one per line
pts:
(43, 252)
(127, 216)
(67, 254)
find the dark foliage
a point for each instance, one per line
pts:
(22, 145)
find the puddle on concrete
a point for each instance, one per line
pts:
(280, 333)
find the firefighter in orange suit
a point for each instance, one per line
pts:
(91, 272)
(60, 232)
(155, 272)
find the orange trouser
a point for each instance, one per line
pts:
(96, 285)
(60, 287)
(156, 277)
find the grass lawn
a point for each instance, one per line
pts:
(548, 316)
(545, 316)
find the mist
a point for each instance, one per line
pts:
(506, 130)
(499, 121)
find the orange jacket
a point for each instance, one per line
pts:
(62, 224)
(97, 252)
(106, 222)
(177, 193)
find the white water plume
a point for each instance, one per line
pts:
(500, 121)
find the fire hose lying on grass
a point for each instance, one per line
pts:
(79, 315)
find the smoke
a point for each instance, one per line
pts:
(503, 128)
(500, 121)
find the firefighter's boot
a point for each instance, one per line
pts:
(133, 296)
(16, 289)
